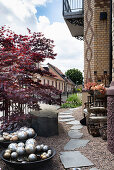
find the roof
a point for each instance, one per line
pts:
(60, 73)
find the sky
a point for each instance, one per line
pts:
(44, 16)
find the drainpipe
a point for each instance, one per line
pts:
(110, 50)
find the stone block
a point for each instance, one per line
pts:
(45, 121)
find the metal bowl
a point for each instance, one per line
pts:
(27, 165)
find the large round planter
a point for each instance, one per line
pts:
(99, 95)
(27, 165)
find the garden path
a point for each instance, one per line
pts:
(71, 158)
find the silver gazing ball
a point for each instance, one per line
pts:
(38, 148)
(49, 152)
(1, 139)
(14, 155)
(22, 135)
(41, 146)
(20, 150)
(23, 128)
(21, 144)
(45, 148)
(6, 155)
(32, 157)
(30, 132)
(30, 148)
(31, 141)
(12, 147)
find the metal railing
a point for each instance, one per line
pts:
(70, 6)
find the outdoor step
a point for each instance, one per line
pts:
(66, 116)
(71, 159)
(75, 122)
(76, 127)
(75, 143)
(75, 134)
(66, 120)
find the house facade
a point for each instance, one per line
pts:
(90, 20)
(58, 80)
(93, 21)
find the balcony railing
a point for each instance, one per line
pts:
(73, 7)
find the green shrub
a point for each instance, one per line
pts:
(72, 101)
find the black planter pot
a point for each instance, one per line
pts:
(28, 165)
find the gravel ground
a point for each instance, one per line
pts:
(95, 150)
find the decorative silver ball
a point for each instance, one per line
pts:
(23, 128)
(30, 148)
(45, 148)
(30, 132)
(6, 155)
(38, 148)
(31, 141)
(41, 146)
(21, 144)
(14, 155)
(49, 152)
(12, 147)
(47, 155)
(20, 150)
(22, 135)
(8, 151)
(32, 157)
(1, 139)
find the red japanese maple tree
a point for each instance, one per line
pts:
(19, 55)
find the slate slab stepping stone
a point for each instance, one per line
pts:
(71, 159)
(66, 116)
(66, 120)
(75, 134)
(76, 169)
(64, 113)
(94, 169)
(75, 143)
(75, 122)
(76, 127)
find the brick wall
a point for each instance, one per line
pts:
(113, 39)
(96, 34)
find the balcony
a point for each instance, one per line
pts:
(73, 13)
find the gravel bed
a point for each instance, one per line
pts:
(96, 150)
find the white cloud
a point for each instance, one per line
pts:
(69, 49)
(21, 14)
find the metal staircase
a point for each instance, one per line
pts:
(73, 13)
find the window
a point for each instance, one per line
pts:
(44, 82)
(48, 82)
(59, 86)
(52, 83)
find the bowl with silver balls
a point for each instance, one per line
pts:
(20, 135)
(27, 155)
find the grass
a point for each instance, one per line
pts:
(73, 101)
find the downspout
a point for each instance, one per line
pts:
(110, 49)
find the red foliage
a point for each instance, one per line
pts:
(18, 57)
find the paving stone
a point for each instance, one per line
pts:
(75, 134)
(63, 113)
(75, 143)
(76, 127)
(71, 159)
(75, 122)
(94, 169)
(66, 116)
(66, 120)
